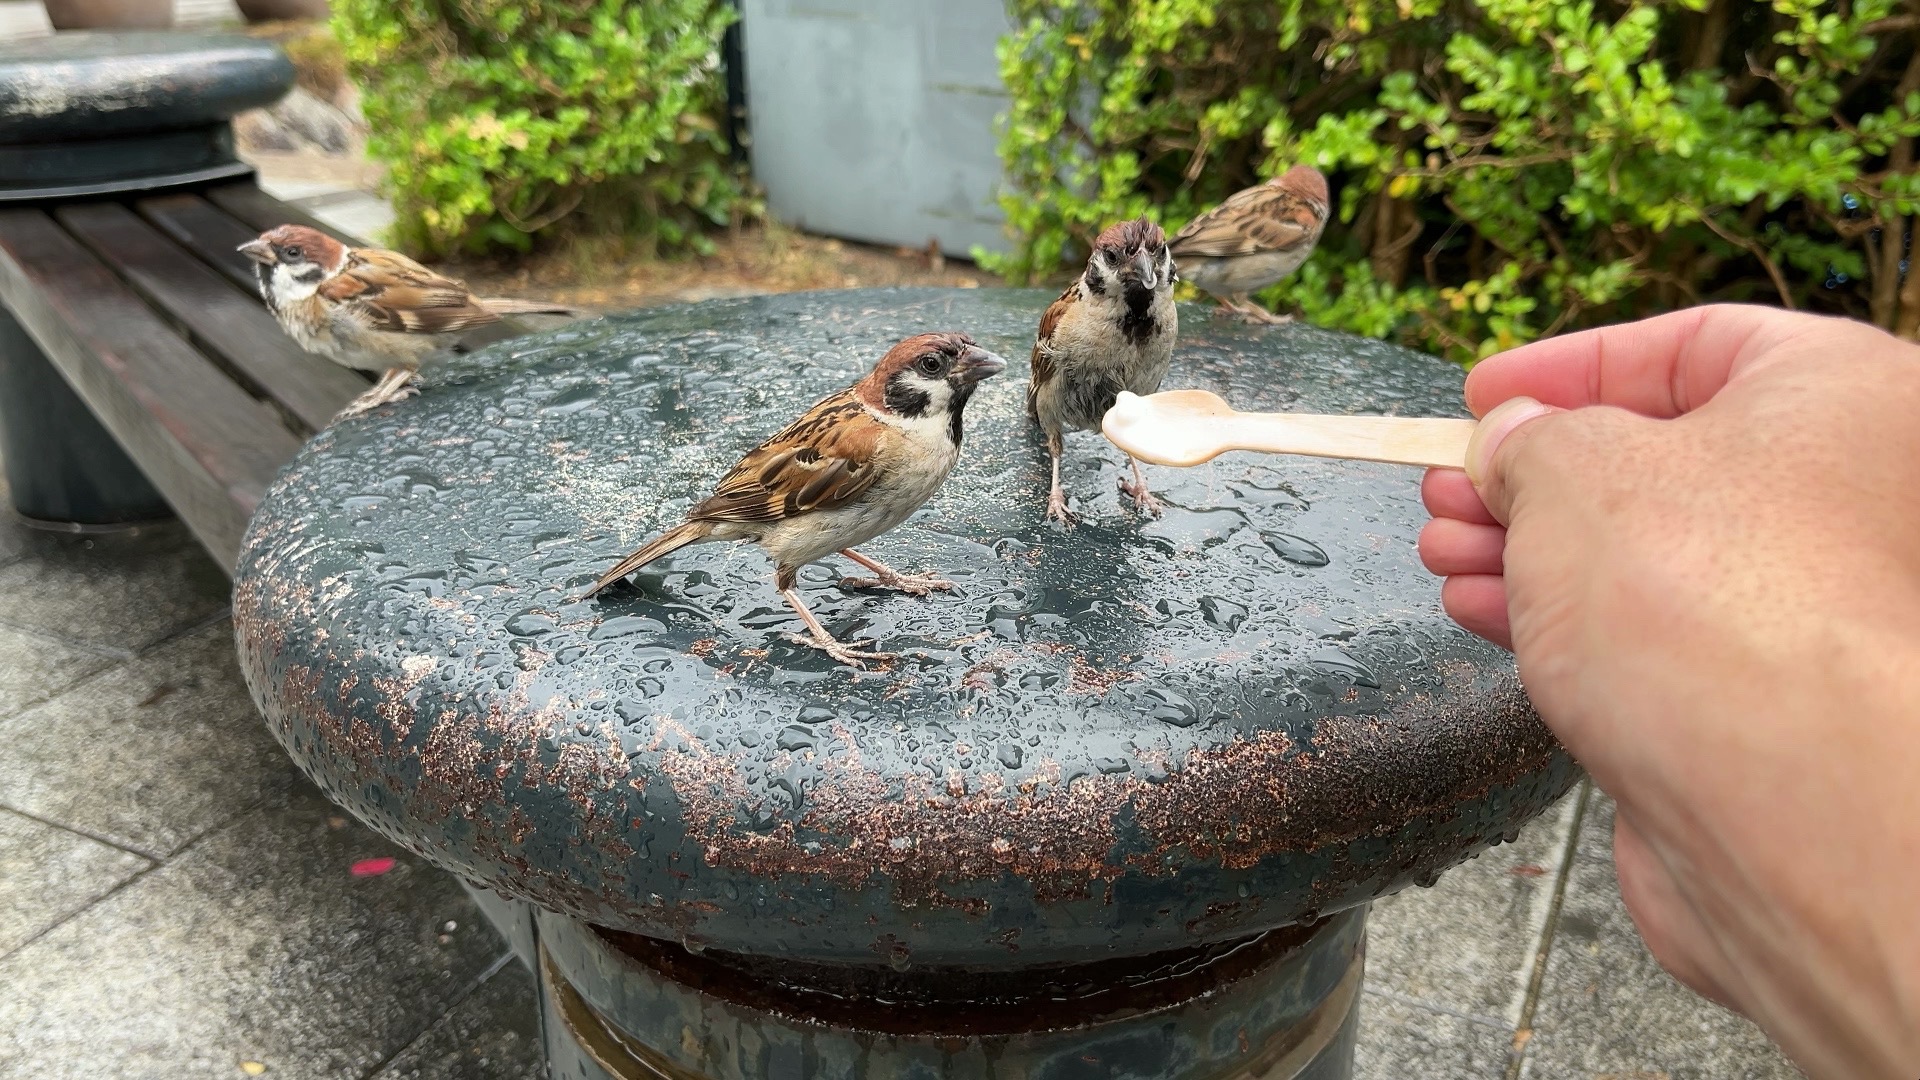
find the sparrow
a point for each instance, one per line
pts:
(1112, 330)
(1255, 238)
(850, 468)
(368, 308)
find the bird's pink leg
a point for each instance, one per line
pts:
(825, 642)
(887, 577)
(1057, 496)
(393, 386)
(1137, 488)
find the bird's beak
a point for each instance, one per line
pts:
(1143, 265)
(259, 251)
(977, 363)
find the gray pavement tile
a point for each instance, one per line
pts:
(492, 1035)
(256, 944)
(1607, 1009)
(34, 668)
(148, 755)
(1401, 1040)
(1468, 944)
(47, 874)
(120, 591)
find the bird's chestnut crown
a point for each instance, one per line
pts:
(294, 245)
(1133, 253)
(1304, 181)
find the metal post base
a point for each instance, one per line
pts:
(1281, 1006)
(64, 471)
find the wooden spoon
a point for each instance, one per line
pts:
(1186, 427)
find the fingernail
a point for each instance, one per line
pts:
(1494, 429)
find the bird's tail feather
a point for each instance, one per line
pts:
(672, 540)
(506, 305)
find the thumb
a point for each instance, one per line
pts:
(1495, 445)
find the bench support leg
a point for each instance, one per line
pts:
(64, 471)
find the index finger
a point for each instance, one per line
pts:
(1660, 367)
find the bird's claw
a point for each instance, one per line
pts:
(1141, 496)
(1254, 313)
(372, 400)
(1057, 509)
(843, 651)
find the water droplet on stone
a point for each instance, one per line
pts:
(1296, 550)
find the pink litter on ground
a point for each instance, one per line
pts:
(371, 867)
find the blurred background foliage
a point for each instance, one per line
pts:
(1502, 169)
(501, 120)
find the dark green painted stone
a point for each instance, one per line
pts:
(1136, 735)
(90, 113)
(92, 83)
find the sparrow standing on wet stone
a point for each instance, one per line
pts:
(1112, 330)
(1255, 238)
(852, 467)
(368, 308)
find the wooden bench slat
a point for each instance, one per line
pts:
(213, 235)
(206, 445)
(236, 327)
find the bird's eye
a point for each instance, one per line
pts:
(291, 251)
(932, 365)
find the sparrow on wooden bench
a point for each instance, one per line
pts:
(853, 466)
(368, 308)
(1112, 330)
(1255, 238)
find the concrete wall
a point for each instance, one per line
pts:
(874, 119)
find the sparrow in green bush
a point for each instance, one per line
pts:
(1255, 238)
(852, 467)
(368, 308)
(1112, 330)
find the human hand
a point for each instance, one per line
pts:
(1702, 541)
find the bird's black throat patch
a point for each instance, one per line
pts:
(957, 404)
(1137, 323)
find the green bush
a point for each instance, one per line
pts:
(1503, 169)
(499, 119)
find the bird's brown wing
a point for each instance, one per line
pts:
(1042, 360)
(397, 294)
(1263, 218)
(821, 461)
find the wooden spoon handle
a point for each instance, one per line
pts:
(1400, 440)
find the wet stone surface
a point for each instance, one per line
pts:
(1132, 736)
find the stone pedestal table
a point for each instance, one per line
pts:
(1117, 812)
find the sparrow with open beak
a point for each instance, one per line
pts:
(853, 466)
(1112, 330)
(368, 308)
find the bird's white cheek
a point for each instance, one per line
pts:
(290, 287)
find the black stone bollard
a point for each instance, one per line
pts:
(64, 471)
(1117, 813)
(92, 113)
